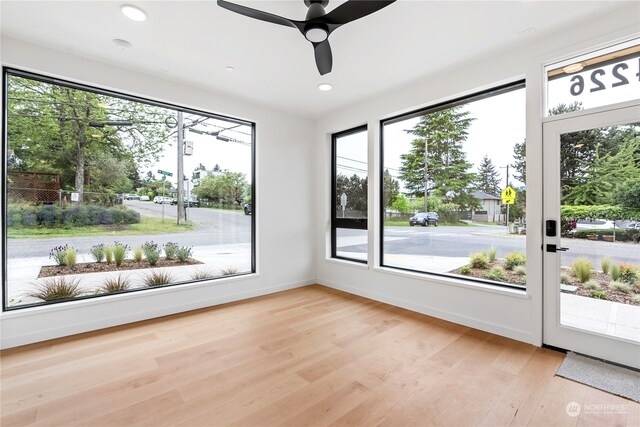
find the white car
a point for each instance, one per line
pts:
(595, 224)
(144, 198)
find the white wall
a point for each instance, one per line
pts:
(509, 313)
(286, 247)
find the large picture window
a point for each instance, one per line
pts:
(107, 193)
(349, 195)
(454, 189)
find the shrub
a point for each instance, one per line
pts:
(497, 274)
(636, 298)
(478, 260)
(605, 264)
(465, 270)
(491, 254)
(78, 215)
(116, 284)
(119, 253)
(599, 294)
(521, 270)
(564, 279)
(627, 274)
(59, 254)
(170, 250)
(151, 252)
(592, 285)
(137, 254)
(229, 271)
(615, 272)
(582, 269)
(157, 278)
(108, 254)
(97, 252)
(183, 253)
(57, 288)
(71, 257)
(620, 286)
(201, 274)
(514, 259)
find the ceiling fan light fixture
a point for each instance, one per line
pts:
(573, 68)
(134, 13)
(316, 35)
(325, 87)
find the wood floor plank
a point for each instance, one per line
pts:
(311, 356)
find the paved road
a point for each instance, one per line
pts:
(214, 227)
(448, 241)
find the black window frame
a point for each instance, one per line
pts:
(6, 72)
(488, 93)
(348, 223)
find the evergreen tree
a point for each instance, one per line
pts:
(447, 170)
(391, 188)
(520, 161)
(487, 177)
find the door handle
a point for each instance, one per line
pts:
(554, 248)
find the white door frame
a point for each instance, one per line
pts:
(599, 345)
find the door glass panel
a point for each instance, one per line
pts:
(600, 223)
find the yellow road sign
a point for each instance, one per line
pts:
(508, 195)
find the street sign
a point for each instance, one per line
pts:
(165, 173)
(508, 195)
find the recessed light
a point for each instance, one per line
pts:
(325, 87)
(573, 68)
(134, 13)
(122, 44)
(229, 68)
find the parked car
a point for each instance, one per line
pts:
(161, 199)
(131, 197)
(248, 208)
(191, 202)
(144, 198)
(424, 219)
(594, 224)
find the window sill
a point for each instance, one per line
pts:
(350, 263)
(451, 281)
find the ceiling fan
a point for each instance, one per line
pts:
(318, 24)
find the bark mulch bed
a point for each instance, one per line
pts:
(101, 267)
(603, 281)
(481, 273)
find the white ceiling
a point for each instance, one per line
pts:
(192, 42)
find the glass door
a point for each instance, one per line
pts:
(592, 233)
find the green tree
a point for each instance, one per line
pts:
(391, 188)
(446, 174)
(520, 161)
(401, 204)
(356, 190)
(58, 129)
(487, 177)
(627, 194)
(228, 188)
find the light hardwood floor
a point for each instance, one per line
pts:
(306, 357)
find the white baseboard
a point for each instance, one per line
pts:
(14, 335)
(494, 328)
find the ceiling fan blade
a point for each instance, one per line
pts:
(256, 14)
(324, 59)
(354, 9)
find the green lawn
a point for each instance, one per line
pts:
(146, 225)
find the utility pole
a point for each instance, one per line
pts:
(180, 191)
(426, 174)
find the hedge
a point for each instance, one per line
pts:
(599, 212)
(76, 216)
(622, 235)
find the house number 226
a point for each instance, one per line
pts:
(618, 71)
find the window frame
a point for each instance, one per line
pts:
(476, 96)
(347, 223)
(11, 71)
